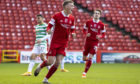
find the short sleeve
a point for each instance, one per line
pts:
(73, 24)
(53, 20)
(85, 25)
(103, 29)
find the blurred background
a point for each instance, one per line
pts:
(121, 17)
(115, 54)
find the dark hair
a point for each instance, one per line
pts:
(39, 15)
(67, 2)
(98, 10)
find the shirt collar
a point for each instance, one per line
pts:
(96, 21)
(64, 14)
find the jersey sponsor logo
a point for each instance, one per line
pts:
(95, 25)
(65, 26)
(94, 30)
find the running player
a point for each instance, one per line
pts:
(63, 23)
(39, 49)
(94, 30)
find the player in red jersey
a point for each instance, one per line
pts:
(63, 23)
(94, 30)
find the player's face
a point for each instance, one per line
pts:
(97, 15)
(69, 7)
(39, 19)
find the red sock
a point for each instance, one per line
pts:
(44, 64)
(88, 64)
(51, 71)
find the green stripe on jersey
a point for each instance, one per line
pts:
(44, 44)
(41, 32)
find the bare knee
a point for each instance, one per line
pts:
(42, 56)
(91, 56)
(50, 63)
(50, 60)
(33, 56)
(84, 58)
(56, 64)
(59, 58)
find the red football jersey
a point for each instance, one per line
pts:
(63, 25)
(94, 28)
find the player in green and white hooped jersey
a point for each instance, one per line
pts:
(40, 48)
(48, 37)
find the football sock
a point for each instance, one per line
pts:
(48, 67)
(31, 65)
(88, 64)
(84, 73)
(62, 64)
(51, 71)
(43, 64)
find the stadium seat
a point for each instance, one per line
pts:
(20, 23)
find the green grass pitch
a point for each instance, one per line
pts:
(98, 74)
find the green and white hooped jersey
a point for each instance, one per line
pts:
(40, 33)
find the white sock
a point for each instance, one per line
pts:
(48, 67)
(31, 65)
(84, 73)
(62, 64)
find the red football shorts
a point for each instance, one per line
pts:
(56, 48)
(90, 48)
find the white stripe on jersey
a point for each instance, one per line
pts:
(40, 26)
(85, 26)
(72, 27)
(52, 21)
(40, 29)
(41, 35)
(103, 30)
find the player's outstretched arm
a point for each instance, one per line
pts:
(43, 39)
(47, 36)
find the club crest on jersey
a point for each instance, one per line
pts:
(61, 20)
(95, 25)
(66, 20)
(70, 22)
(91, 26)
(99, 27)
